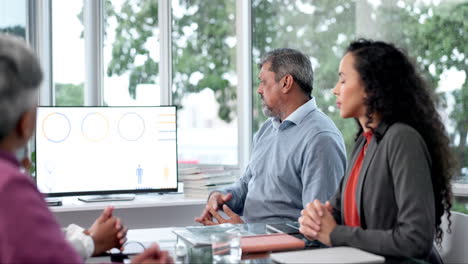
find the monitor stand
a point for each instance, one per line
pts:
(51, 201)
(107, 197)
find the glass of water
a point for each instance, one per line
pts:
(226, 247)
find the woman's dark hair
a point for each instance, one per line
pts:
(398, 93)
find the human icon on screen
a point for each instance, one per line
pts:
(50, 183)
(139, 173)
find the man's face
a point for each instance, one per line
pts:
(23, 131)
(269, 91)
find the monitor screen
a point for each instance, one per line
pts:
(104, 150)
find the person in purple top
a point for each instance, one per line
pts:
(29, 232)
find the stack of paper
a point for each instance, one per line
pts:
(200, 180)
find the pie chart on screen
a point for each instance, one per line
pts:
(56, 127)
(131, 126)
(95, 127)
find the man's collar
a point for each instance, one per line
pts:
(298, 115)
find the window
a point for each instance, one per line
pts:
(204, 43)
(131, 53)
(68, 51)
(13, 17)
(204, 80)
(433, 32)
(320, 29)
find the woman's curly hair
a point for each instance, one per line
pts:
(398, 93)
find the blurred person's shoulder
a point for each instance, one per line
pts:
(12, 177)
(8, 171)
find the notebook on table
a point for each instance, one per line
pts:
(328, 255)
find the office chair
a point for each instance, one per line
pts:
(454, 244)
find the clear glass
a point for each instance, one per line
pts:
(432, 31)
(131, 53)
(68, 52)
(226, 247)
(204, 80)
(13, 17)
(180, 253)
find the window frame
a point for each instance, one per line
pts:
(40, 36)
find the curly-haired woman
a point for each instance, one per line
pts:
(397, 185)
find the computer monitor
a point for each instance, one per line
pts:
(106, 150)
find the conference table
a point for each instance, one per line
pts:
(184, 251)
(139, 239)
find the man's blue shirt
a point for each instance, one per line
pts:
(292, 163)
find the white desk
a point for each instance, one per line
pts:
(146, 211)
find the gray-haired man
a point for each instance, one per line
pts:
(298, 154)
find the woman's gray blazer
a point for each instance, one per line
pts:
(394, 196)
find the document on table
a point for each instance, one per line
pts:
(328, 255)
